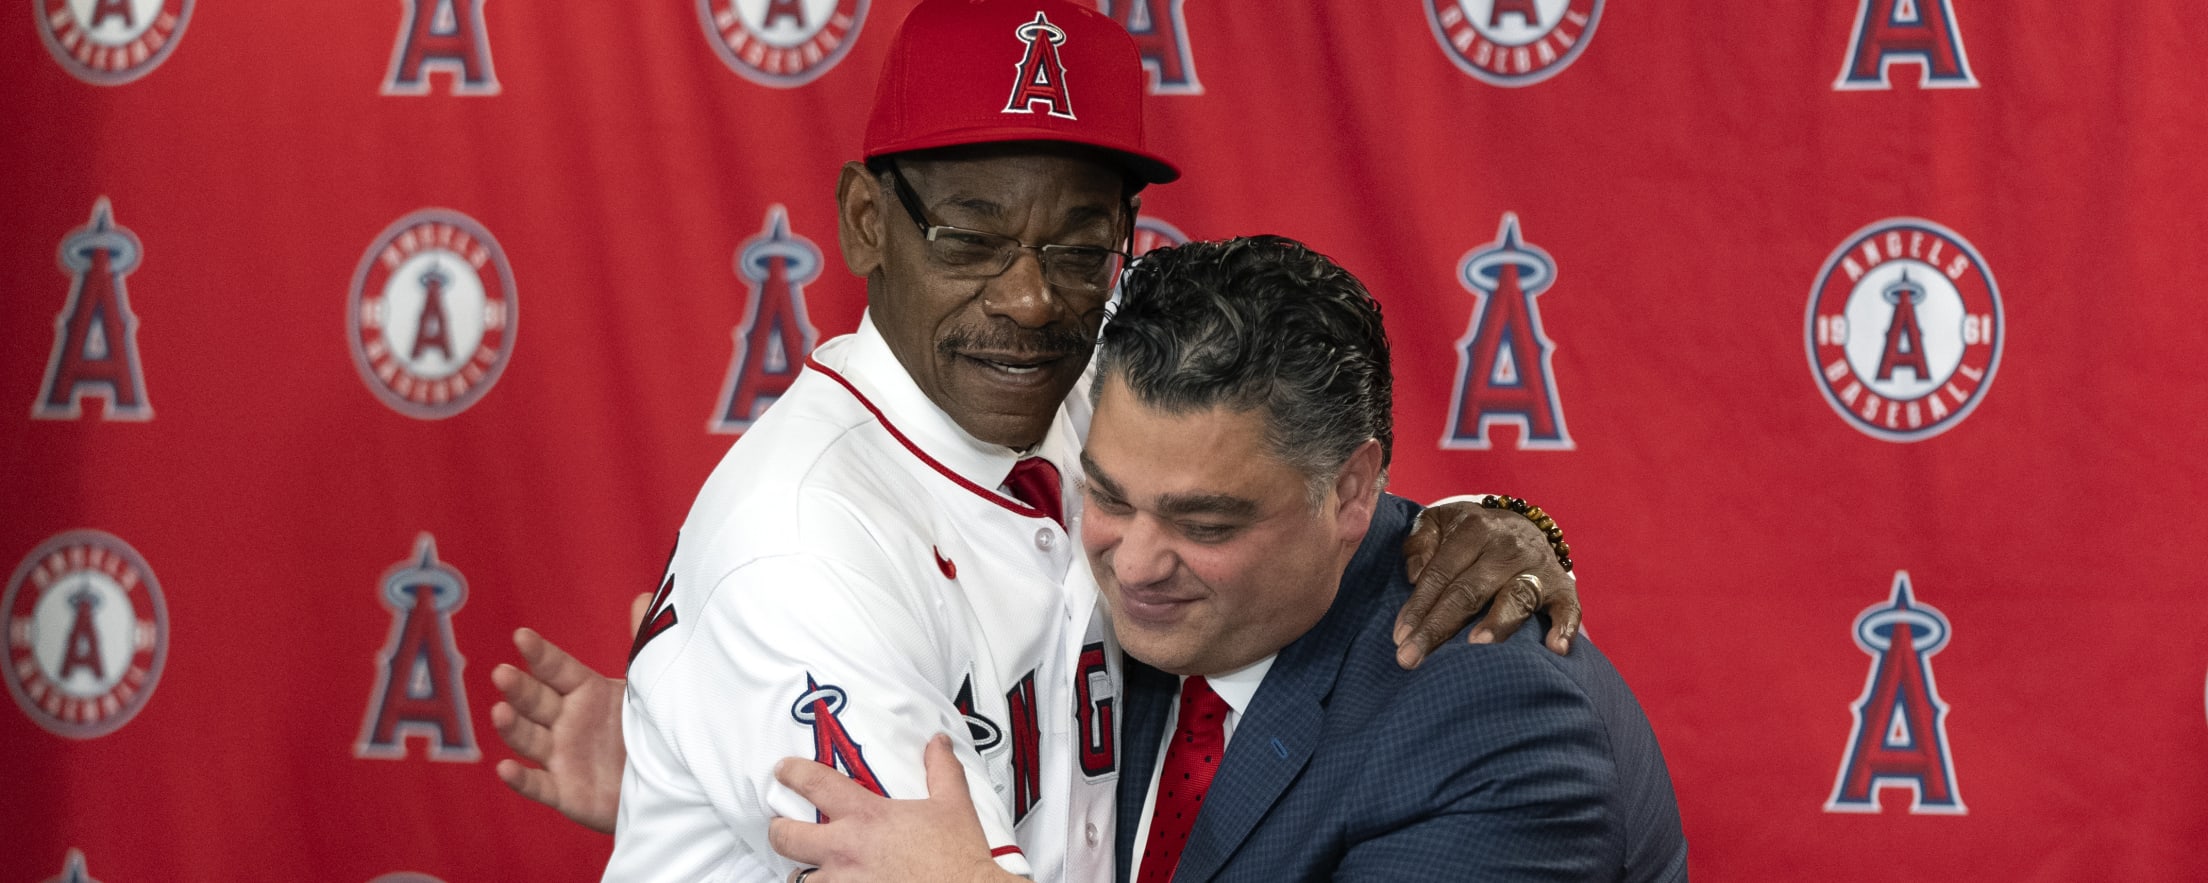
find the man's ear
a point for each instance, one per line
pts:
(1357, 491)
(859, 219)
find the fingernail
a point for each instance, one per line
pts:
(1483, 636)
(1564, 645)
(1408, 657)
(1402, 630)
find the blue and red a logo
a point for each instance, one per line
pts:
(1918, 31)
(110, 42)
(446, 35)
(1161, 37)
(775, 336)
(781, 44)
(96, 334)
(1042, 74)
(1503, 373)
(833, 746)
(1900, 734)
(1513, 43)
(418, 687)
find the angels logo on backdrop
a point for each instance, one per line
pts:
(775, 336)
(87, 634)
(781, 43)
(1153, 233)
(1513, 43)
(111, 42)
(446, 35)
(431, 315)
(1503, 373)
(73, 869)
(96, 334)
(1922, 32)
(1041, 78)
(1161, 38)
(1904, 329)
(418, 687)
(1900, 735)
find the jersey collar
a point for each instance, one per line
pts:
(871, 371)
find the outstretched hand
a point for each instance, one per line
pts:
(865, 836)
(1460, 556)
(564, 717)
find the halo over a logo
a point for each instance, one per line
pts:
(1904, 329)
(781, 43)
(87, 634)
(110, 42)
(431, 315)
(1513, 43)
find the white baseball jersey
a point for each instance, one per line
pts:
(848, 584)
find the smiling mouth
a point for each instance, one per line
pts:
(1017, 366)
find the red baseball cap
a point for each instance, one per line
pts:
(987, 71)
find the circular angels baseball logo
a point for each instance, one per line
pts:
(1513, 43)
(781, 43)
(110, 42)
(1904, 329)
(87, 634)
(431, 315)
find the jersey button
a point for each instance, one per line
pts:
(1044, 540)
(1091, 832)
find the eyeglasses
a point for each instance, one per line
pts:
(975, 254)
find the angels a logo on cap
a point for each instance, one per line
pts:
(111, 42)
(781, 43)
(1904, 329)
(432, 314)
(1513, 42)
(1042, 75)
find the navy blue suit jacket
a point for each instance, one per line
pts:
(1490, 762)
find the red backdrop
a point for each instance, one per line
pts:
(1847, 340)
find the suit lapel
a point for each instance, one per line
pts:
(1277, 734)
(1149, 697)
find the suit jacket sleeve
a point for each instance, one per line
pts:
(1494, 765)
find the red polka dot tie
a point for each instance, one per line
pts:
(1199, 741)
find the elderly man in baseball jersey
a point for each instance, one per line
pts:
(1251, 568)
(885, 555)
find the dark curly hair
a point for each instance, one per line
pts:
(1257, 322)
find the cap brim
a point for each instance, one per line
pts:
(1146, 167)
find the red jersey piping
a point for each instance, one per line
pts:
(1017, 507)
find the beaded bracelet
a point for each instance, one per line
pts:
(1540, 519)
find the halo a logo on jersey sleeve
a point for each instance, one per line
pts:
(1918, 31)
(776, 335)
(111, 42)
(441, 35)
(431, 314)
(1161, 39)
(818, 707)
(1513, 43)
(418, 689)
(781, 43)
(1503, 372)
(96, 334)
(1904, 329)
(87, 634)
(1900, 735)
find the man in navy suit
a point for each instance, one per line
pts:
(1251, 568)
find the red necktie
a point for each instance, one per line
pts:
(1035, 482)
(1199, 741)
